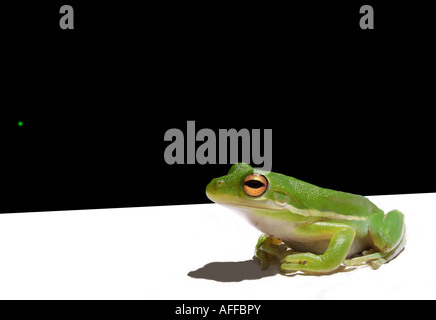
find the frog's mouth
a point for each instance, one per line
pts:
(227, 200)
(251, 206)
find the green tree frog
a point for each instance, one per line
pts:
(308, 228)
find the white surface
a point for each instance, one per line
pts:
(147, 253)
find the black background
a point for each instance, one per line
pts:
(350, 109)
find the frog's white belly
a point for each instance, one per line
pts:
(284, 230)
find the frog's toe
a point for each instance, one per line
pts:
(263, 259)
(375, 264)
(352, 263)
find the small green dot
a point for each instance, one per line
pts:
(20, 123)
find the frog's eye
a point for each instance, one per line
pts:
(255, 185)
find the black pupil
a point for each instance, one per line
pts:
(254, 184)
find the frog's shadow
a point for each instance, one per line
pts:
(232, 271)
(245, 270)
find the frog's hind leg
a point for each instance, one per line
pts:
(386, 257)
(388, 236)
(387, 231)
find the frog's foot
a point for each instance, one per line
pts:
(374, 259)
(269, 250)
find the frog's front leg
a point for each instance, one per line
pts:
(341, 236)
(268, 248)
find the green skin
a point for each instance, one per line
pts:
(324, 228)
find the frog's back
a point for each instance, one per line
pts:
(327, 200)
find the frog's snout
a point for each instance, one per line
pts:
(213, 188)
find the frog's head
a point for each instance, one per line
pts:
(243, 186)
